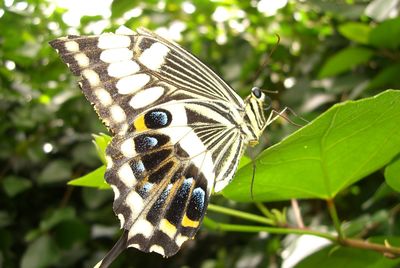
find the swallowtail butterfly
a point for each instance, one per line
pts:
(178, 132)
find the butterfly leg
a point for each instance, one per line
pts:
(274, 115)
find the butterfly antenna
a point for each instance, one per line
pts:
(266, 61)
(252, 179)
(270, 91)
(114, 252)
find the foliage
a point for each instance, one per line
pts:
(343, 145)
(342, 165)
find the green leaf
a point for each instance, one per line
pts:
(386, 77)
(52, 219)
(347, 257)
(392, 174)
(59, 215)
(386, 35)
(94, 199)
(382, 192)
(119, 7)
(355, 227)
(345, 60)
(84, 153)
(43, 252)
(5, 218)
(55, 171)
(88, 19)
(348, 142)
(14, 185)
(71, 232)
(96, 177)
(355, 31)
(93, 179)
(244, 161)
(101, 141)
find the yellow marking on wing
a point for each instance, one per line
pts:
(139, 123)
(168, 228)
(186, 222)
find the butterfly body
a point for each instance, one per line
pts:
(178, 131)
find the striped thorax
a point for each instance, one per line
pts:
(255, 120)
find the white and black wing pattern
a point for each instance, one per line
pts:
(177, 127)
(135, 71)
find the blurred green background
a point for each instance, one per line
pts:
(329, 51)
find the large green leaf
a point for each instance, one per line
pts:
(345, 60)
(343, 145)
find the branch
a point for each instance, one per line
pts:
(387, 250)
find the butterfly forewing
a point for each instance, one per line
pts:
(140, 70)
(178, 132)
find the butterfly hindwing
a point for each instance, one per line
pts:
(161, 185)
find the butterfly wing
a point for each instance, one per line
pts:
(175, 126)
(121, 75)
(162, 178)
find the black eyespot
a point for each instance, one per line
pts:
(157, 118)
(145, 142)
(256, 92)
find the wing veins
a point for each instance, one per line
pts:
(189, 69)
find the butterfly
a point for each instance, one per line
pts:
(178, 132)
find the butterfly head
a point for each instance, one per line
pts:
(255, 106)
(257, 94)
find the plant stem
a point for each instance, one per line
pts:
(240, 214)
(335, 218)
(273, 230)
(388, 251)
(264, 210)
